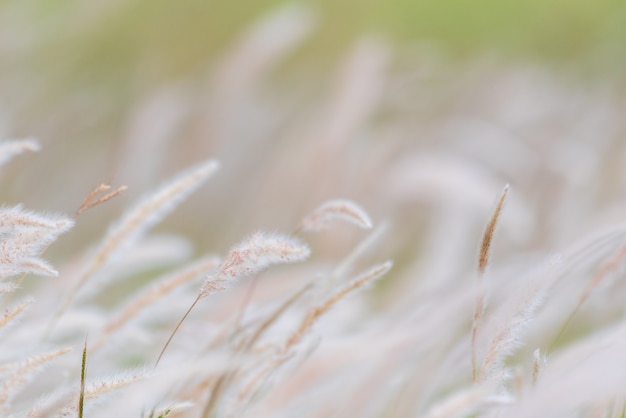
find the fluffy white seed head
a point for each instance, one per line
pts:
(23, 237)
(254, 254)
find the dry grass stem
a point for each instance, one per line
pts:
(178, 324)
(368, 244)
(89, 201)
(313, 315)
(258, 332)
(156, 292)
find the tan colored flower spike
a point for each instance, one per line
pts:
(483, 261)
(91, 201)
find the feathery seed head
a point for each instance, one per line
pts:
(254, 254)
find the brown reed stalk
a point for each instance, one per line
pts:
(89, 201)
(483, 261)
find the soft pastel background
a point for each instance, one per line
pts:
(129, 91)
(421, 111)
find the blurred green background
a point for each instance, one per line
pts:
(115, 50)
(113, 43)
(77, 74)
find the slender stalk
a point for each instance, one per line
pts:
(169, 340)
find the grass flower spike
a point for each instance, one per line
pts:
(253, 255)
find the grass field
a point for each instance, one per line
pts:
(312, 209)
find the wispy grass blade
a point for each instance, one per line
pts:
(315, 313)
(83, 370)
(154, 293)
